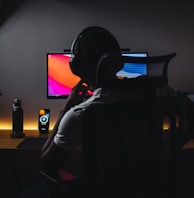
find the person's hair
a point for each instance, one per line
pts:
(89, 46)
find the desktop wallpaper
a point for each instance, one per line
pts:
(133, 70)
(60, 79)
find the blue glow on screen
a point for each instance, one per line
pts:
(133, 70)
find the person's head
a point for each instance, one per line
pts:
(87, 49)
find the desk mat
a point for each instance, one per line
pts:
(32, 143)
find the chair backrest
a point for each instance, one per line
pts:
(123, 147)
(121, 141)
(153, 80)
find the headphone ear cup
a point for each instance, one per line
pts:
(75, 61)
(75, 64)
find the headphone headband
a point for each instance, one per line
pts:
(73, 46)
(91, 43)
(77, 39)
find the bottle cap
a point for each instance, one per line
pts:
(17, 103)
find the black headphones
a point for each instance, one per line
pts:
(76, 62)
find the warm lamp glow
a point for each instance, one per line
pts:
(165, 127)
(5, 125)
(27, 125)
(33, 125)
(166, 123)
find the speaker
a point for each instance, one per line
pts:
(43, 121)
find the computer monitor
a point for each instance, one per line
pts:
(133, 70)
(60, 79)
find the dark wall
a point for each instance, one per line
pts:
(41, 26)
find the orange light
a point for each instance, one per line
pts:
(166, 124)
(28, 125)
(42, 112)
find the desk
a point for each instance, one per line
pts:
(6, 142)
(18, 167)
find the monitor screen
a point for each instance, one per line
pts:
(133, 70)
(60, 79)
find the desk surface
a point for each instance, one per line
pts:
(6, 142)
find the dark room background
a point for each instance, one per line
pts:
(41, 26)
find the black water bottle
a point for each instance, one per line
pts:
(17, 119)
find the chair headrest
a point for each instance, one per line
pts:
(106, 75)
